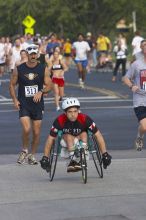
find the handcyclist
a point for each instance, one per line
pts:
(74, 126)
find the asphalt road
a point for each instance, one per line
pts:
(26, 192)
(109, 104)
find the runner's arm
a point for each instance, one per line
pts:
(47, 86)
(129, 83)
(13, 83)
(65, 68)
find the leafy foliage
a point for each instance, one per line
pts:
(68, 17)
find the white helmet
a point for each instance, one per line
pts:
(32, 48)
(70, 102)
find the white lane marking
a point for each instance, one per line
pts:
(82, 101)
(3, 81)
(84, 108)
(4, 99)
(107, 107)
(13, 110)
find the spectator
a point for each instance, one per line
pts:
(136, 42)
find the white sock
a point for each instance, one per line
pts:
(25, 150)
(140, 135)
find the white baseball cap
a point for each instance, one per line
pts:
(32, 48)
(89, 34)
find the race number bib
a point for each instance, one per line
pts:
(144, 86)
(30, 91)
(143, 79)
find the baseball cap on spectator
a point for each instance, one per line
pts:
(89, 34)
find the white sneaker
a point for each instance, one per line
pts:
(139, 143)
(57, 108)
(82, 85)
(80, 80)
(32, 160)
(22, 157)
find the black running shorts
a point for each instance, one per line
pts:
(140, 112)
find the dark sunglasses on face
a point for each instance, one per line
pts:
(31, 48)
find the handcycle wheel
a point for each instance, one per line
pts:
(83, 165)
(53, 160)
(96, 155)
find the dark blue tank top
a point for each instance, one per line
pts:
(30, 81)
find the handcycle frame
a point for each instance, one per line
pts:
(93, 150)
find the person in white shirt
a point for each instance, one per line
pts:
(8, 46)
(136, 42)
(24, 44)
(15, 53)
(81, 49)
(2, 55)
(120, 51)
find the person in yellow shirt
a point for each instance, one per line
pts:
(103, 47)
(67, 48)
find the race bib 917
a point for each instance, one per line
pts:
(30, 91)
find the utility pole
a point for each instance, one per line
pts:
(134, 20)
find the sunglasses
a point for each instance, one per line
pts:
(31, 48)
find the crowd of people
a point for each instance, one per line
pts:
(38, 64)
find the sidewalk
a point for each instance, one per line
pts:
(26, 192)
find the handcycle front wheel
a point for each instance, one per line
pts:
(53, 161)
(83, 165)
(96, 155)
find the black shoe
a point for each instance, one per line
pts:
(106, 159)
(77, 166)
(74, 166)
(71, 167)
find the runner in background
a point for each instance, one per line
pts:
(15, 53)
(8, 45)
(136, 43)
(90, 53)
(81, 51)
(57, 68)
(52, 43)
(104, 47)
(3, 54)
(67, 48)
(23, 58)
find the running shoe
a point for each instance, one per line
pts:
(77, 166)
(22, 157)
(82, 85)
(32, 160)
(80, 81)
(57, 108)
(139, 143)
